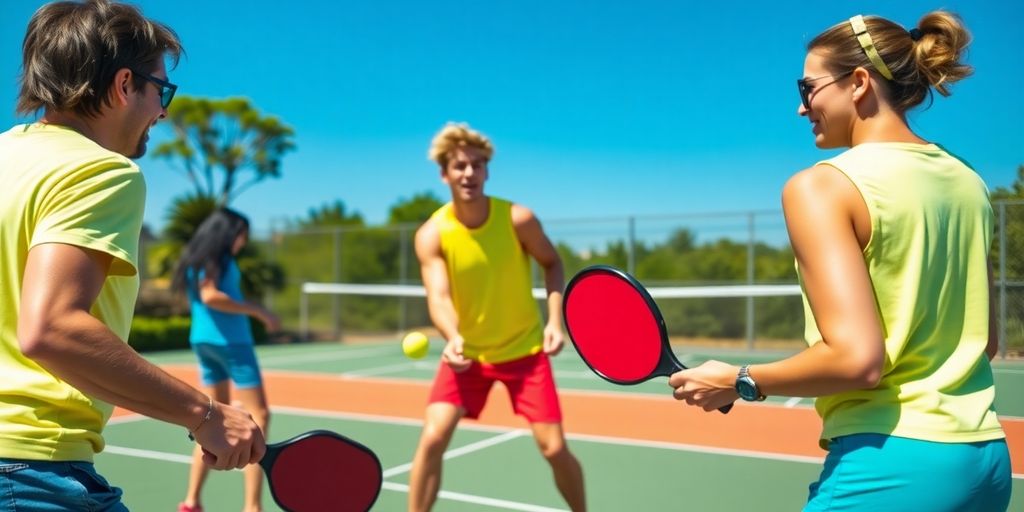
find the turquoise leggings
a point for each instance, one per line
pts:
(876, 472)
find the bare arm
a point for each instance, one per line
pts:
(537, 244)
(56, 329)
(434, 272)
(215, 298)
(820, 206)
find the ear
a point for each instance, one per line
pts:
(444, 174)
(862, 84)
(121, 87)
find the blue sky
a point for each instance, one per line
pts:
(596, 108)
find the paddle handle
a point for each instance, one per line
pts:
(669, 364)
(268, 457)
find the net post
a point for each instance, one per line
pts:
(335, 299)
(303, 312)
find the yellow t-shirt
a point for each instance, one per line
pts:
(489, 277)
(931, 230)
(57, 186)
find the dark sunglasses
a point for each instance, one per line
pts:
(806, 88)
(167, 89)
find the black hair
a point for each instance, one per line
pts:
(209, 250)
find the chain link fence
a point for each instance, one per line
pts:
(661, 251)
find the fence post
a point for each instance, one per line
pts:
(631, 247)
(1002, 279)
(268, 294)
(750, 280)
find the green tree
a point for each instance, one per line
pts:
(228, 135)
(329, 215)
(184, 215)
(416, 210)
(223, 147)
(183, 218)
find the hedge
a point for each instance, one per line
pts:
(171, 333)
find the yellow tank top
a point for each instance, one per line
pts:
(931, 229)
(489, 274)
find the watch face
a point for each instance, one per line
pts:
(746, 390)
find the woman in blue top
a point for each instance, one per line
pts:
(221, 336)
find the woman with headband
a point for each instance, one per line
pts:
(891, 239)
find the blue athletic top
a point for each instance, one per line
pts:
(218, 327)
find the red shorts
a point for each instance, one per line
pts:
(529, 381)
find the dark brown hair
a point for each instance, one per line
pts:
(927, 56)
(72, 50)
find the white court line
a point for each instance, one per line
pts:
(793, 401)
(392, 420)
(447, 495)
(478, 500)
(358, 353)
(383, 370)
(462, 450)
(148, 454)
(333, 355)
(375, 418)
(576, 374)
(128, 418)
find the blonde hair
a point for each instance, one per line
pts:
(454, 136)
(924, 57)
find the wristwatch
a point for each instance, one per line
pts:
(746, 387)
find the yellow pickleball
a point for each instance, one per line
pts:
(415, 345)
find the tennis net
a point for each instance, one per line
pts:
(739, 316)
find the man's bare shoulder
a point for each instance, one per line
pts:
(428, 237)
(522, 215)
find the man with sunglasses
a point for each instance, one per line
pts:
(71, 205)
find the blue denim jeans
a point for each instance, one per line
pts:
(43, 486)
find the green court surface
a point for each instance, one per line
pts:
(490, 468)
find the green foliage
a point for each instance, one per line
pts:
(184, 216)
(415, 210)
(151, 334)
(228, 138)
(166, 333)
(1014, 229)
(332, 214)
(229, 135)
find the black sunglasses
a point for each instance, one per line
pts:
(167, 89)
(806, 88)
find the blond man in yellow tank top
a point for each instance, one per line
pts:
(474, 257)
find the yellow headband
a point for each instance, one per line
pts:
(861, 31)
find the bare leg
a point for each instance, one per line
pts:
(425, 477)
(254, 400)
(197, 475)
(566, 469)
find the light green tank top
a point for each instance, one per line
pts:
(931, 229)
(489, 276)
